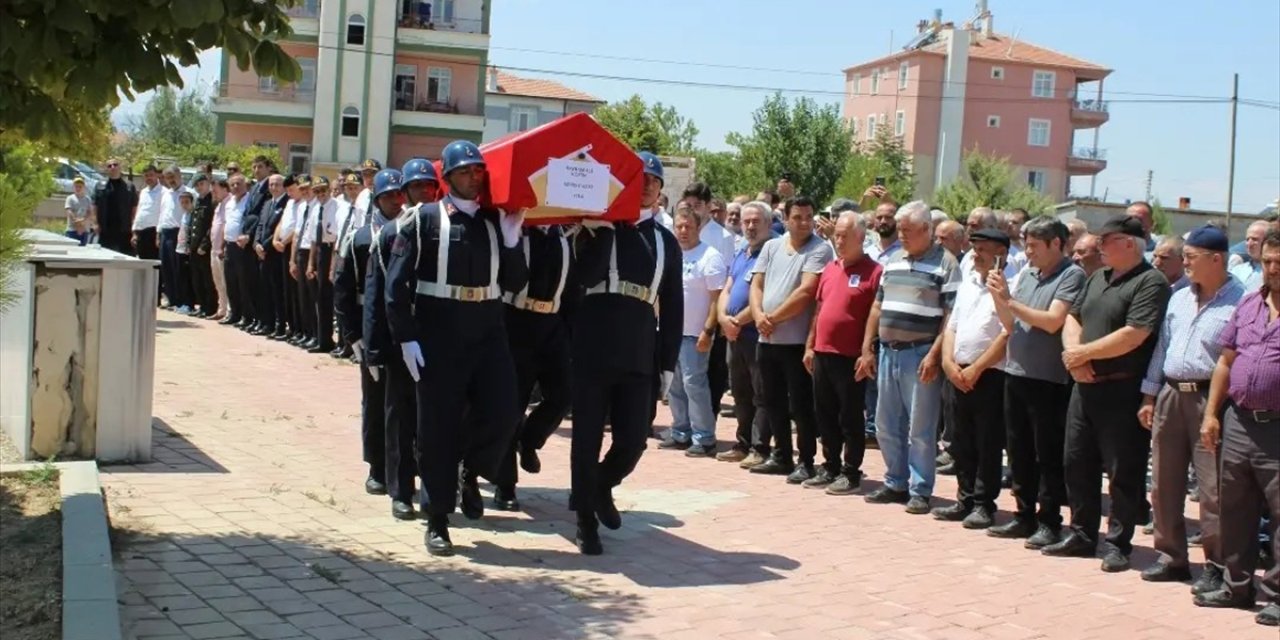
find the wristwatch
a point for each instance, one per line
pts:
(709, 331)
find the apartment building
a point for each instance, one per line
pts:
(513, 103)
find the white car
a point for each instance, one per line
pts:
(66, 171)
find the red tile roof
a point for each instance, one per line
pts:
(536, 88)
(1002, 48)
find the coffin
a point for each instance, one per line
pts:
(564, 171)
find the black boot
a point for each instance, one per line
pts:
(469, 500)
(607, 510)
(588, 538)
(401, 510)
(437, 536)
(504, 499)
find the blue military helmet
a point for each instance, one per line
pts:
(652, 165)
(419, 169)
(386, 181)
(460, 153)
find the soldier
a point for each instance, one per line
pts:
(445, 276)
(538, 331)
(420, 185)
(633, 308)
(323, 232)
(349, 219)
(348, 302)
(300, 257)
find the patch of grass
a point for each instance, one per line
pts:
(44, 475)
(332, 575)
(30, 557)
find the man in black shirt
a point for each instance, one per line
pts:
(113, 204)
(1108, 340)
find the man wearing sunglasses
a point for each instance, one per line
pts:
(113, 202)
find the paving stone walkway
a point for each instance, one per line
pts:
(252, 522)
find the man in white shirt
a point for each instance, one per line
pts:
(240, 257)
(167, 224)
(973, 350)
(146, 216)
(300, 256)
(697, 197)
(986, 218)
(368, 169)
(693, 423)
(322, 232)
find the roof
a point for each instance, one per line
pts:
(537, 88)
(999, 47)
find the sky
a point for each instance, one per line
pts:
(1174, 47)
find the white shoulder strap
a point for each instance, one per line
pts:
(612, 279)
(519, 299)
(494, 291)
(442, 253)
(564, 272)
(658, 265)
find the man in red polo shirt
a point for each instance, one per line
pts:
(846, 291)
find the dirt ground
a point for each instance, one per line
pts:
(30, 556)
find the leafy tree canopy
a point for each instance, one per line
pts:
(988, 181)
(884, 156)
(808, 141)
(655, 128)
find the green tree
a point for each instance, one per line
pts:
(989, 181)
(62, 61)
(25, 179)
(656, 128)
(809, 141)
(176, 121)
(1160, 221)
(728, 175)
(882, 157)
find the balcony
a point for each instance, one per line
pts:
(1087, 114)
(304, 19)
(428, 114)
(441, 31)
(264, 100)
(1086, 161)
(305, 9)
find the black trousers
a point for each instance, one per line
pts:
(169, 278)
(306, 298)
(271, 291)
(202, 291)
(147, 249)
(788, 394)
(373, 423)
(1035, 417)
(838, 402)
(1249, 487)
(116, 240)
(625, 399)
(748, 395)
(718, 371)
(400, 414)
(289, 293)
(977, 419)
(241, 266)
(462, 378)
(546, 365)
(247, 273)
(322, 295)
(1103, 433)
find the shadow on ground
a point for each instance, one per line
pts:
(171, 452)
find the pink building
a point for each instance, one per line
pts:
(953, 89)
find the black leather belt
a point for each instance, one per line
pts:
(1189, 386)
(1264, 415)
(899, 346)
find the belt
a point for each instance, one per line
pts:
(1263, 415)
(360, 298)
(536, 306)
(629, 289)
(1112, 377)
(1189, 386)
(896, 345)
(455, 292)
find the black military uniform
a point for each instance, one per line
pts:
(538, 330)
(444, 281)
(270, 270)
(633, 307)
(302, 257)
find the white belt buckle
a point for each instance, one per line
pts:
(1187, 387)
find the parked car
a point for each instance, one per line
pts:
(189, 173)
(66, 171)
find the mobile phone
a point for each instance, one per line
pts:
(1000, 264)
(879, 181)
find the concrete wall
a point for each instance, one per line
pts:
(280, 135)
(498, 106)
(64, 397)
(406, 145)
(1182, 220)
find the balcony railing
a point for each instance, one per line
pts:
(1089, 153)
(289, 93)
(307, 9)
(437, 23)
(1097, 106)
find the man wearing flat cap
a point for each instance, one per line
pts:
(1173, 401)
(1107, 341)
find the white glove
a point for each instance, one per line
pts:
(375, 373)
(412, 359)
(510, 224)
(665, 385)
(357, 349)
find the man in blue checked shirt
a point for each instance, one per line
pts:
(1174, 394)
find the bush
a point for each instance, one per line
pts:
(25, 180)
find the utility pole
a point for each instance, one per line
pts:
(1231, 166)
(1150, 175)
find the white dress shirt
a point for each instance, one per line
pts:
(284, 231)
(980, 327)
(235, 217)
(714, 235)
(324, 214)
(364, 201)
(150, 202)
(170, 212)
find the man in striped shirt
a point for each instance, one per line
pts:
(917, 290)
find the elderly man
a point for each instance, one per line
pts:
(1248, 268)
(693, 423)
(238, 254)
(1167, 258)
(1107, 342)
(1144, 213)
(846, 291)
(1174, 394)
(784, 282)
(1240, 421)
(952, 237)
(985, 218)
(168, 225)
(1086, 255)
(734, 312)
(733, 218)
(916, 294)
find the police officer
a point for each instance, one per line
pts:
(420, 185)
(538, 331)
(448, 267)
(628, 271)
(351, 266)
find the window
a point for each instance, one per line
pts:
(1042, 84)
(902, 75)
(1036, 180)
(351, 122)
(299, 158)
(307, 84)
(1038, 133)
(875, 82)
(900, 123)
(857, 83)
(406, 86)
(871, 127)
(446, 11)
(267, 84)
(355, 30)
(523, 118)
(853, 127)
(997, 73)
(266, 145)
(439, 83)
(993, 122)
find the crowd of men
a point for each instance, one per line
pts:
(1071, 353)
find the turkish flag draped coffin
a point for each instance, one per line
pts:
(564, 171)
